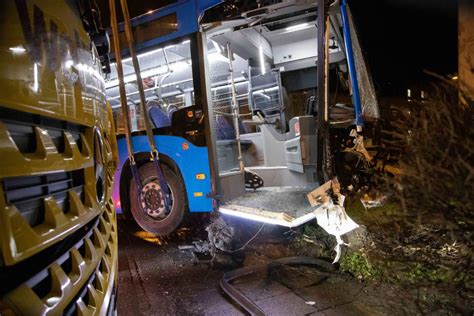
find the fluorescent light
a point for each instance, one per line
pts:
(17, 49)
(140, 55)
(35, 78)
(262, 59)
(297, 27)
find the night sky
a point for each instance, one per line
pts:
(401, 38)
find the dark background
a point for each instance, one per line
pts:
(401, 38)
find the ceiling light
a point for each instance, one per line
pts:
(298, 27)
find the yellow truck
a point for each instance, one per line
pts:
(58, 233)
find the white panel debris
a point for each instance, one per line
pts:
(330, 215)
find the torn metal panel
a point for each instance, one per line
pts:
(368, 98)
(359, 146)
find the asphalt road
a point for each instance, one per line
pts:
(157, 278)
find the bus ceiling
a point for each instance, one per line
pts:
(286, 32)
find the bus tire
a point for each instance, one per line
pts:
(169, 223)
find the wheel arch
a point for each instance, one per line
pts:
(126, 176)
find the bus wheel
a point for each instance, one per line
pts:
(147, 206)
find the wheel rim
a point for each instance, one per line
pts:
(152, 200)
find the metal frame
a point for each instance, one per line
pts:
(203, 101)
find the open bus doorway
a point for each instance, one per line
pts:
(272, 134)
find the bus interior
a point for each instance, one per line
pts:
(262, 82)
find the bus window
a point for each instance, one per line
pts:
(266, 97)
(167, 79)
(150, 30)
(221, 92)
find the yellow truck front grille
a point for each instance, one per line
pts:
(58, 241)
(83, 284)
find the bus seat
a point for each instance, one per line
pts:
(171, 111)
(224, 130)
(158, 117)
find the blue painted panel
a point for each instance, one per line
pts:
(190, 162)
(188, 13)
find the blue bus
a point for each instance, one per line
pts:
(232, 93)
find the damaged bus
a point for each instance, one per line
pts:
(252, 107)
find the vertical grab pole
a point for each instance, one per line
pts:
(235, 108)
(351, 63)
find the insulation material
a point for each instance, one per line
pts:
(369, 103)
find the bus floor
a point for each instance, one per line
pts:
(157, 278)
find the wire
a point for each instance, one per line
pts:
(250, 240)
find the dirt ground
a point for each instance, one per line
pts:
(157, 278)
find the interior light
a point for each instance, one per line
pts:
(125, 60)
(297, 27)
(17, 49)
(35, 78)
(262, 59)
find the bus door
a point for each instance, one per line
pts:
(275, 138)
